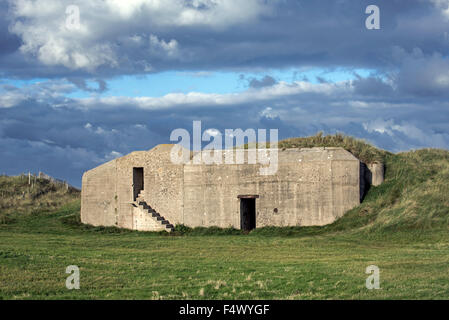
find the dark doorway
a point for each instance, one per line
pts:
(248, 213)
(137, 181)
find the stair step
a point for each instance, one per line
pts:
(142, 204)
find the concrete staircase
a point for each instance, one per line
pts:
(153, 213)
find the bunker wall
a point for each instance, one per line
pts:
(98, 201)
(162, 184)
(310, 188)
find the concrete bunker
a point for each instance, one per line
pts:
(145, 190)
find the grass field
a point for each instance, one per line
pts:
(402, 227)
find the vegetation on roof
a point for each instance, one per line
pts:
(361, 149)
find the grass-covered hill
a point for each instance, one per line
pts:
(414, 196)
(23, 195)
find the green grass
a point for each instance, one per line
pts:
(402, 227)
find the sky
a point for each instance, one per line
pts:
(85, 81)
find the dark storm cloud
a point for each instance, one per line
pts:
(373, 86)
(126, 38)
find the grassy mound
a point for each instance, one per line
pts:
(18, 197)
(414, 197)
(359, 148)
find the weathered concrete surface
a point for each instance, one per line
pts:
(377, 173)
(98, 196)
(311, 187)
(107, 192)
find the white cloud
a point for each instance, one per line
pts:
(380, 126)
(443, 5)
(269, 113)
(11, 99)
(41, 25)
(111, 156)
(11, 96)
(160, 46)
(198, 99)
(416, 137)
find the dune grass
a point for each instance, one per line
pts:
(20, 196)
(359, 148)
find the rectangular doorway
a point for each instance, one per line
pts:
(247, 212)
(137, 182)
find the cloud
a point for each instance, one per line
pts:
(425, 75)
(443, 5)
(407, 136)
(85, 85)
(266, 81)
(165, 48)
(103, 29)
(12, 96)
(134, 37)
(373, 86)
(269, 113)
(198, 99)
